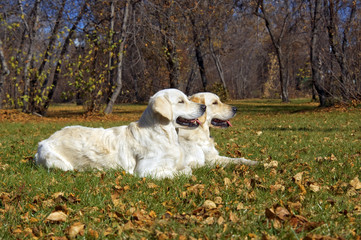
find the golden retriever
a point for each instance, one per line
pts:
(198, 144)
(148, 147)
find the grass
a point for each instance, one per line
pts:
(270, 201)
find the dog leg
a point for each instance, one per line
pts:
(51, 159)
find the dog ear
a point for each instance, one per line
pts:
(162, 106)
(198, 99)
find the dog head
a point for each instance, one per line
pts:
(217, 113)
(172, 105)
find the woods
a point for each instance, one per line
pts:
(97, 53)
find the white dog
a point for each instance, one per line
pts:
(198, 144)
(148, 147)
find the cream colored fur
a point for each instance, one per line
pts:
(148, 147)
(198, 145)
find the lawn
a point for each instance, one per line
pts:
(307, 185)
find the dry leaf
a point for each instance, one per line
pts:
(152, 185)
(298, 177)
(75, 229)
(57, 216)
(314, 187)
(282, 213)
(208, 204)
(220, 220)
(355, 183)
(277, 187)
(227, 182)
(218, 200)
(93, 233)
(233, 217)
(272, 164)
(209, 220)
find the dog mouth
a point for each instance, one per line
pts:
(188, 122)
(221, 123)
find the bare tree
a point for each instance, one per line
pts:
(278, 32)
(119, 81)
(4, 70)
(315, 8)
(31, 30)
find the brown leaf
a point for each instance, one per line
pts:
(319, 237)
(56, 217)
(277, 187)
(233, 217)
(93, 233)
(272, 164)
(209, 221)
(227, 182)
(208, 204)
(298, 177)
(75, 229)
(220, 220)
(282, 213)
(355, 183)
(152, 185)
(314, 187)
(196, 189)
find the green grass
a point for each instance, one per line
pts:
(324, 145)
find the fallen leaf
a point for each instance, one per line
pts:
(152, 185)
(218, 200)
(272, 164)
(314, 187)
(208, 204)
(93, 233)
(220, 220)
(75, 229)
(209, 220)
(355, 183)
(227, 182)
(277, 187)
(298, 177)
(233, 217)
(282, 213)
(56, 217)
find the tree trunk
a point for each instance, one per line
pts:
(29, 56)
(119, 81)
(277, 43)
(110, 55)
(50, 46)
(218, 63)
(284, 80)
(58, 66)
(172, 63)
(338, 48)
(199, 55)
(4, 71)
(316, 64)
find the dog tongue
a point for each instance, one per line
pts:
(196, 120)
(229, 123)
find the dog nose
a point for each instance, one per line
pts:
(203, 107)
(234, 109)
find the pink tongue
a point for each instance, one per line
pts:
(196, 120)
(229, 123)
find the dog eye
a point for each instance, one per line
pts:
(215, 102)
(181, 101)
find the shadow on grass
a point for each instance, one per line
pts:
(272, 108)
(302, 129)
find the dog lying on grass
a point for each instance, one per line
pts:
(148, 147)
(197, 143)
